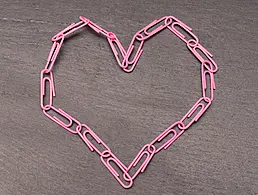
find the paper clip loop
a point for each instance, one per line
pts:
(143, 34)
(194, 46)
(113, 40)
(69, 30)
(83, 135)
(184, 27)
(128, 54)
(204, 82)
(149, 154)
(190, 113)
(43, 81)
(53, 54)
(62, 113)
(95, 27)
(120, 165)
(165, 133)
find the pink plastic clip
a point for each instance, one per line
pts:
(43, 81)
(165, 133)
(190, 113)
(83, 135)
(139, 156)
(180, 35)
(69, 30)
(184, 27)
(174, 19)
(204, 82)
(143, 34)
(113, 40)
(194, 46)
(95, 27)
(128, 182)
(62, 113)
(53, 54)
(128, 54)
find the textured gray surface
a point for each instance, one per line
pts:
(218, 155)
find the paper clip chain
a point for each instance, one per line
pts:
(127, 61)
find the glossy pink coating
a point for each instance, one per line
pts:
(69, 30)
(184, 28)
(190, 114)
(53, 54)
(169, 130)
(145, 34)
(127, 60)
(50, 80)
(113, 40)
(148, 154)
(194, 47)
(83, 135)
(63, 114)
(126, 183)
(204, 82)
(176, 20)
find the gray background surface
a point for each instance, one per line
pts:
(217, 155)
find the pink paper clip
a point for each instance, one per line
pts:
(83, 135)
(85, 20)
(186, 29)
(69, 30)
(149, 155)
(143, 34)
(53, 54)
(190, 113)
(162, 136)
(126, 183)
(194, 46)
(204, 82)
(43, 81)
(126, 62)
(113, 40)
(95, 27)
(179, 21)
(62, 113)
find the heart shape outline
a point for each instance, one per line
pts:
(208, 67)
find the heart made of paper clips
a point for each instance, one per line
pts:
(127, 62)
